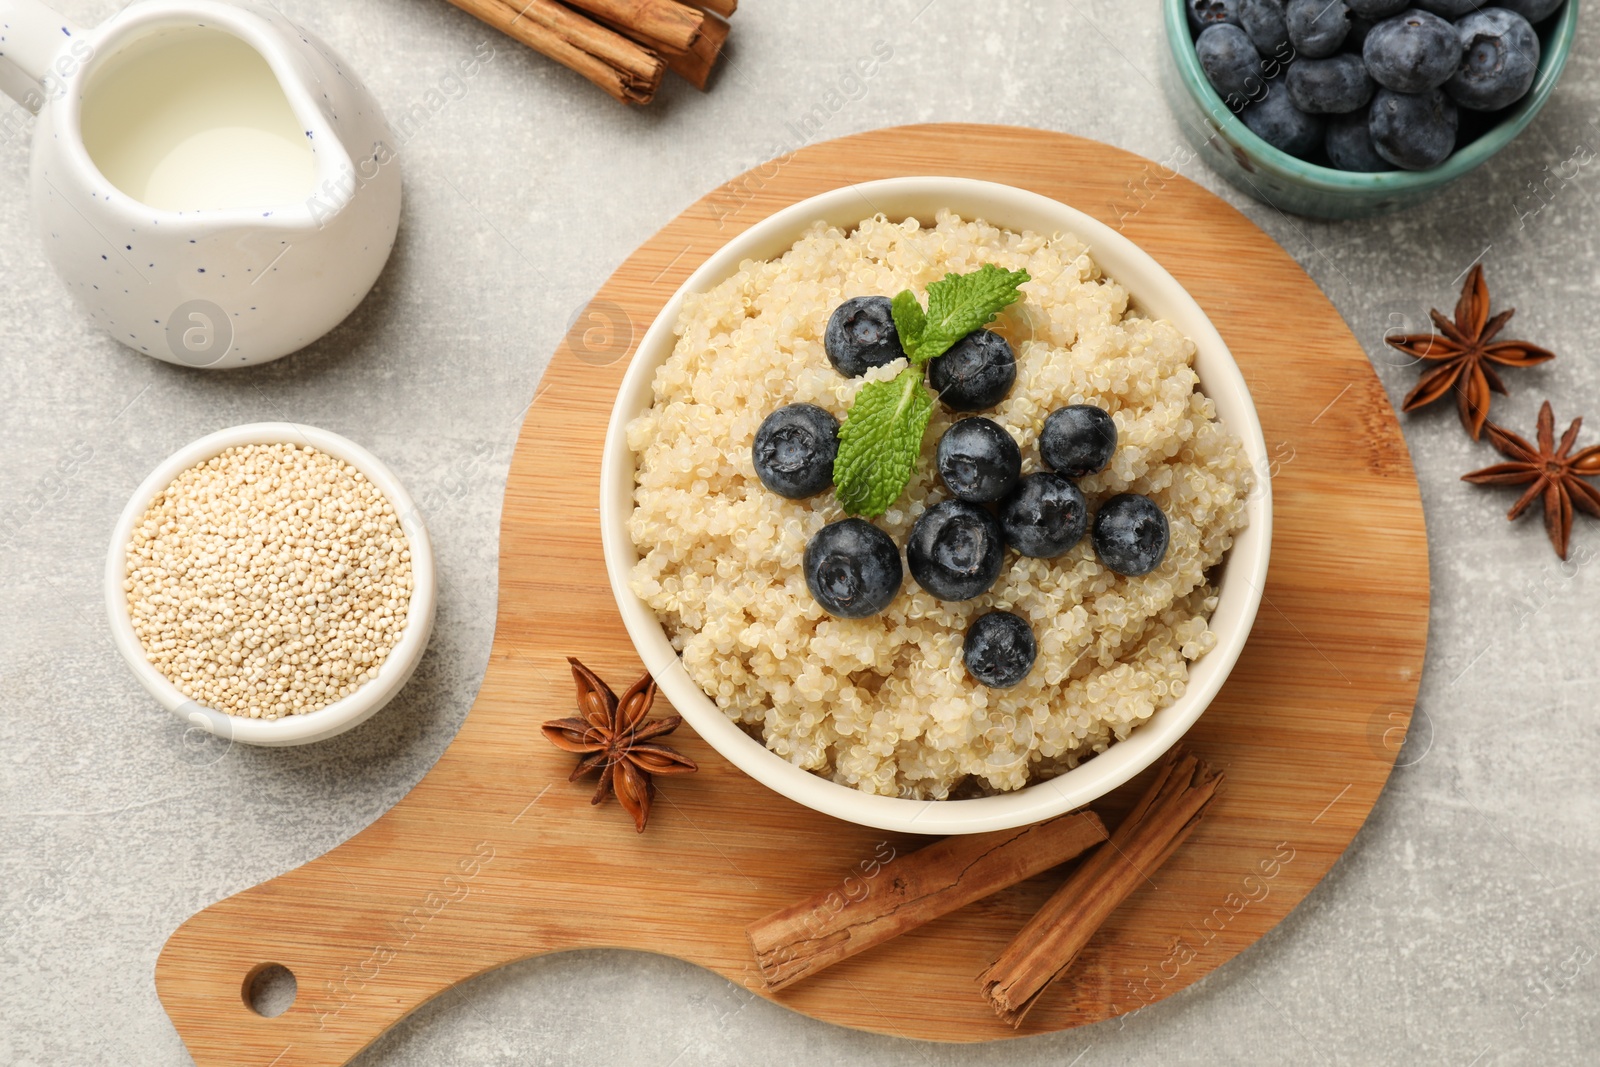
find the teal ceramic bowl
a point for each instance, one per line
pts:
(1294, 185)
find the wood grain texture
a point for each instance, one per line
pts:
(493, 857)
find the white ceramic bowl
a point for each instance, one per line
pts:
(339, 716)
(1157, 293)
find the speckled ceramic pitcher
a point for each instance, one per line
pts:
(211, 181)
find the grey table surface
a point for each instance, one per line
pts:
(1460, 928)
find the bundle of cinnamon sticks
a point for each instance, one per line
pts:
(623, 46)
(836, 923)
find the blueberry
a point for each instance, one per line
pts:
(1203, 13)
(1276, 120)
(1077, 440)
(976, 373)
(1502, 56)
(999, 649)
(861, 335)
(1331, 86)
(1231, 63)
(979, 461)
(1532, 10)
(1130, 534)
(1317, 27)
(1045, 516)
(1275, 64)
(852, 569)
(794, 450)
(1450, 9)
(1412, 53)
(1414, 131)
(955, 550)
(1349, 144)
(1264, 21)
(1377, 9)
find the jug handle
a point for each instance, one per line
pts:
(32, 36)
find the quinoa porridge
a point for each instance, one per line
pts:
(884, 704)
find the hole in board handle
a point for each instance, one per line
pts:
(269, 989)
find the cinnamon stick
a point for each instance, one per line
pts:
(1045, 948)
(694, 66)
(725, 8)
(628, 72)
(666, 22)
(884, 900)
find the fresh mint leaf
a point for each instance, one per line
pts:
(959, 304)
(909, 321)
(879, 443)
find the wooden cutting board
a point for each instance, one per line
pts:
(494, 857)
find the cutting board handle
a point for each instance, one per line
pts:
(369, 933)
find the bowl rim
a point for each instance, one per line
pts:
(1150, 286)
(1552, 62)
(342, 714)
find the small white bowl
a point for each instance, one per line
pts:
(342, 714)
(1157, 293)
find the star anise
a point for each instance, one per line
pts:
(614, 734)
(1548, 471)
(1460, 358)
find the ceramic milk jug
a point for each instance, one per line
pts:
(211, 181)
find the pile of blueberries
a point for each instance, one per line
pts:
(956, 549)
(1369, 85)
